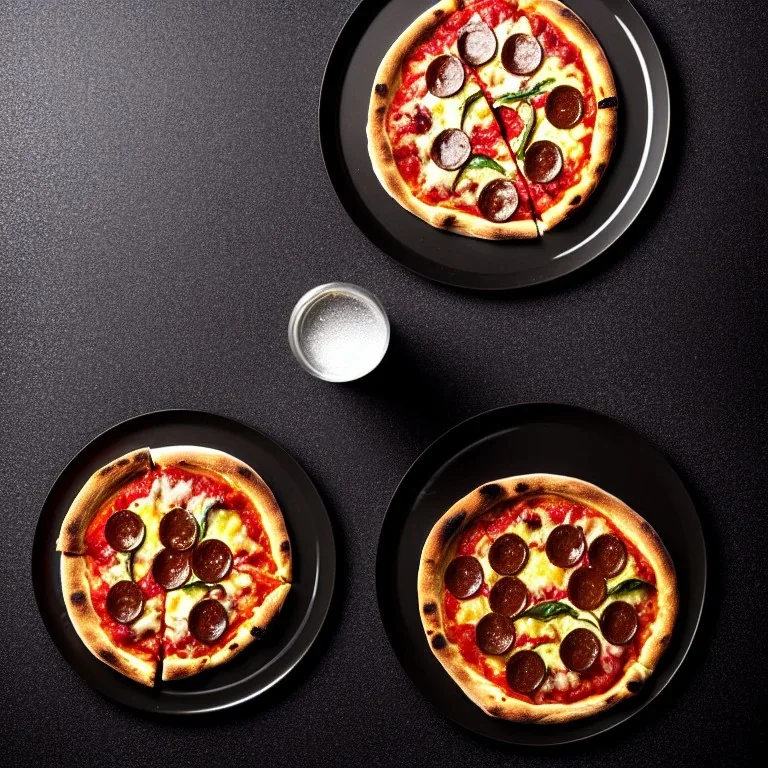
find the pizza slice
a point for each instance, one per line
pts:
(434, 142)
(109, 540)
(552, 89)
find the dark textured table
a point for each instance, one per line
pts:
(163, 203)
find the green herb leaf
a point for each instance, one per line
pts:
(527, 114)
(478, 161)
(468, 105)
(551, 609)
(197, 585)
(210, 505)
(536, 90)
(630, 585)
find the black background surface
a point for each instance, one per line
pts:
(163, 203)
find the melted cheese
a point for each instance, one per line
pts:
(228, 526)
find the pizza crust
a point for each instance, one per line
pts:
(604, 87)
(434, 560)
(100, 486)
(176, 668)
(85, 620)
(386, 84)
(238, 474)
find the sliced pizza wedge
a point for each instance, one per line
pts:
(552, 89)
(433, 140)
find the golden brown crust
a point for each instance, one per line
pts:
(604, 135)
(100, 486)
(430, 579)
(245, 479)
(386, 84)
(175, 667)
(85, 620)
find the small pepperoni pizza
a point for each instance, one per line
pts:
(493, 118)
(546, 598)
(173, 559)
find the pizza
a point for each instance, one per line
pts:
(545, 598)
(493, 118)
(173, 560)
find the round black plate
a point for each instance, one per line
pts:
(287, 640)
(466, 262)
(512, 441)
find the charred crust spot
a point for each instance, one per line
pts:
(439, 642)
(245, 472)
(663, 641)
(600, 169)
(430, 632)
(567, 14)
(522, 488)
(73, 528)
(495, 711)
(380, 111)
(107, 655)
(646, 527)
(611, 101)
(534, 524)
(491, 491)
(285, 546)
(452, 525)
(430, 608)
(106, 470)
(633, 686)
(233, 646)
(449, 221)
(257, 632)
(381, 89)
(610, 699)
(576, 200)
(78, 598)
(123, 462)
(439, 12)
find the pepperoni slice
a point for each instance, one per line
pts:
(498, 201)
(208, 621)
(508, 554)
(451, 149)
(464, 577)
(564, 107)
(171, 569)
(543, 161)
(477, 43)
(125, 602)
(495, 634)
(212, 560)
(522, 54)
(445, 76)
(124, 531)
(608, 555)
(619, 623)
(587, 588)
(579, 650)
(178, 529)
(565, 546)
(509, 596)
(526, 671)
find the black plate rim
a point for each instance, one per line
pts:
(425, 456)
(325, 590)
(466, 279)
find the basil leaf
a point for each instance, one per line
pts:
(196, 585)
(210, 505)
(630, 585)
(468, 105)
(528, 115)
(478, 161)
(551, 609)
(536, 90)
